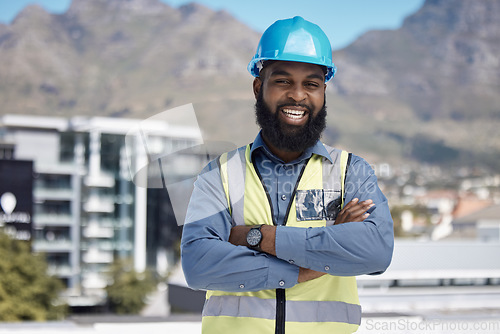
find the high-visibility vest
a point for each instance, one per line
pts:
(328, 304)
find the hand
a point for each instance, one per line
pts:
(354, 211)
(308, 274)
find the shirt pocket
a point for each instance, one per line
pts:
(317, 204)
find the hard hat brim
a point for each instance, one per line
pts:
(254, 69)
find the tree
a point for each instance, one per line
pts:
(128, 289)
(27, 292)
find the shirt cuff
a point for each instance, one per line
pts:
(290, 244)
(282, 275)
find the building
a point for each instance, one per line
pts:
(96, 195)
(482, 224)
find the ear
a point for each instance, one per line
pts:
(257, 85)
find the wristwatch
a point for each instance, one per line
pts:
(254, 237)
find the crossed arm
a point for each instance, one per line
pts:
(354, 211)
(214, 256)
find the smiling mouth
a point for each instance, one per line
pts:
(294, 113)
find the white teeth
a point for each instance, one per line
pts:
(292, 113)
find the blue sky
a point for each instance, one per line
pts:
(342, 20)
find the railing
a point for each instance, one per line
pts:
(101, 180)
(94, 255)
(53, 193)
(60, 270)
(105, 204)
(52, 219)
(63, 245)
(97, 231)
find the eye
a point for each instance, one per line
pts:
(282, 81)
(312, 84)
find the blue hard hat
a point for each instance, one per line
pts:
(294, 39)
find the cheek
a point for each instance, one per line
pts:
(271, 98)
(318, 101)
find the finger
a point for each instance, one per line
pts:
(365, 205)
(359, 218)
(363, 214)
(357, 212)
(353, 207)
(355, 203)
(347, 215)
(356, 216)
(351, 203)
(354, 211)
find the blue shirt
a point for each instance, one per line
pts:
(210, 262)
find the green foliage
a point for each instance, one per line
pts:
(27, 292)
(128, 290)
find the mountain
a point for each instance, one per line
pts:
(432, 85)
(119, 58)
(426, 92)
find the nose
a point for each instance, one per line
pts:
(297, 93)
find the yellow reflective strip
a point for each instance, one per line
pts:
(236, 178)
(224, 177)
(256, 207)
(239, 306)
(343, 165)
(315, 311)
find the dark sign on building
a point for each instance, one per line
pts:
(16, 198)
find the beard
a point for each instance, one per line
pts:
(287, 137)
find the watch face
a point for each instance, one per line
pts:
(254, 237)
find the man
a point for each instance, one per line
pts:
(267, 232)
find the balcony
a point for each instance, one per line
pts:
(59, 168)
(61, 245)
(52, 219)
(94, 281)
(60, 270)
(100, 180)
(57, 194)
(94, 255)
(102, 204)
(95, 230)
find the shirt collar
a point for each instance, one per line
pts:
(318, 148)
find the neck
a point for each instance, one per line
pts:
(286, 156)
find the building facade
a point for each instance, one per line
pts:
(91, 182)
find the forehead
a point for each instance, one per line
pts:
(293, 68)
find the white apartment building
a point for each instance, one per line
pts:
(99, 192)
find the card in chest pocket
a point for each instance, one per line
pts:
(317, 204)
